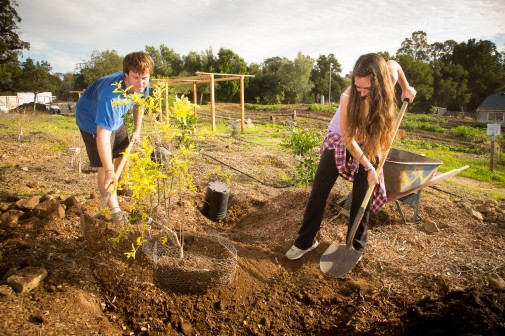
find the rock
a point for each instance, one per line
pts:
(6, 290)
(28, 203)
(491, 202)
(497, 281)
(26, 279)
(187, 329)
(11, 218)
(45, 198)
(5, 206)
(71, 201)
(483, 208)
(49, 209)
(477, 215)
(430, 226)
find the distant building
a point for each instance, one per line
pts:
(492, 109)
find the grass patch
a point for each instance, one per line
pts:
(323, 108)
(258, 107)
(454, 157)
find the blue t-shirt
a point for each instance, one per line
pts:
(99, 97)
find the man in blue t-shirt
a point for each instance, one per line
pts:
(101, 123)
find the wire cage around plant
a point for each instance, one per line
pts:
(205, 261)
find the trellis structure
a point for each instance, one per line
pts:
(203, 78)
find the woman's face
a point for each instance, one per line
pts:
(363, 86)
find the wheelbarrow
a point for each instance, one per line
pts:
(406, 174)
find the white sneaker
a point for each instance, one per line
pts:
(296, 253)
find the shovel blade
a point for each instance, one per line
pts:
(339, 260)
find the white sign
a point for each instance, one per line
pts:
(493, 129)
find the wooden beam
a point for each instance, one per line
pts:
(221, 74)
(227, 78)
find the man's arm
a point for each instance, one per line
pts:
(138, 115)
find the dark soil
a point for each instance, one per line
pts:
(409, 282)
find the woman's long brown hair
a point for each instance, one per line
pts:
(370, 122)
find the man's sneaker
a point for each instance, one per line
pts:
(120, 217)
(296, 253)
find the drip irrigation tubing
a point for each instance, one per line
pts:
(248, 175)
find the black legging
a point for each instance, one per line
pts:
(325, 178)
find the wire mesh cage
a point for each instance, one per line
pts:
(191, 262)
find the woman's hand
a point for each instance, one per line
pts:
(372, 176)
(409, 93)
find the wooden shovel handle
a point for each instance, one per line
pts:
(371, 187)
(118, 172)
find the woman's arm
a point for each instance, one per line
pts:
(398, 76)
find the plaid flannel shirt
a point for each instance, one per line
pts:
(348, 168)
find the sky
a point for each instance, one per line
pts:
(65, 33)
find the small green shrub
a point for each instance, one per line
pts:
(303, 144)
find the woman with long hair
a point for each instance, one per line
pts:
(357, 136)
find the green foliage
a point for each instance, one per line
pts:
(99, 65)
(303, 144)
(470, 133)
(425, 118)
(412, 124)
(323, 108)
(218, 175)
(257, 107)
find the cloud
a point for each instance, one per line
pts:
(62, 32)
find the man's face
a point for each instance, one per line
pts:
(138, 81)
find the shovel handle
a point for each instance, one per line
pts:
(371, 187)
(119, 170)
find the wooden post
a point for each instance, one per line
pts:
(242, 107)
(194, 98)
(491, 165)
(166, 102)
(212, 103)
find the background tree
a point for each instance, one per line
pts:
(266, 86)
(11, 45)
(450, 86)
(194, 62)
(101, 63)
(417, 47)
(420, 76)
(229, 63)
(66, 85)
(36, 77)
(486, 74)
(320, 77)
(167, 63)
(295, 77)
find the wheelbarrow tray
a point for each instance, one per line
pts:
(404, 171)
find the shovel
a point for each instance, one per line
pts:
(338, 260)
(118, 172)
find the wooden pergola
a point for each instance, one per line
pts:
(203, 78)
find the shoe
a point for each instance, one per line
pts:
(296, 253)
(119, 218)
